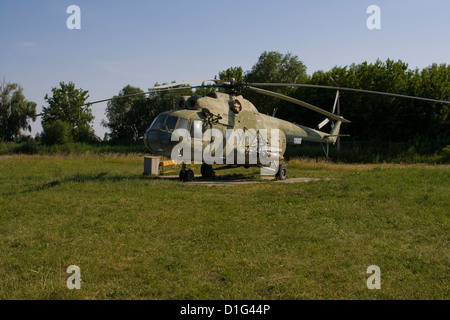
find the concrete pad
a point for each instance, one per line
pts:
(240, 181)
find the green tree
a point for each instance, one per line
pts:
(274, 67)
(435, 83)
(161, 101)
(66, 104)
(57, 132)
(380, 118)
(15, 111)
(233, 72)
(279, 68)
(374, 117)
(120, 123)
(131, 112)
(236, 73)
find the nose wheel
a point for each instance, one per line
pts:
(186, 175)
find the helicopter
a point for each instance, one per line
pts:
(222, 127)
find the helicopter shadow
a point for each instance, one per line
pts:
(77, 178)
(233, 178)
(104, 177)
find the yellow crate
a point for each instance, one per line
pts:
(163, 164)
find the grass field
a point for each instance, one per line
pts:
(138, 237)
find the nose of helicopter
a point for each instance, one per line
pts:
(157, 141)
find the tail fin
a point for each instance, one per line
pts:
(335, 127)
(336, 101)
(334, 133)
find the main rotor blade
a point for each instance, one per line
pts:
(346, 89)
(174, 84)
(166, 87)
(118, 97)
(299, 102)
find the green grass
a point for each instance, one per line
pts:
(35, 147)
(139, 237)
(361, 153)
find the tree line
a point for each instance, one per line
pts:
(373, 117)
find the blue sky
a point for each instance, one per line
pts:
(144, 42)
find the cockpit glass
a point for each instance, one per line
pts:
(157, 123)
(171, 121)
(183, 124)
(167, 123)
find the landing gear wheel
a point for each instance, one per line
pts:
(186, 175)
(189, 175)
(282, 172)
(207, 171)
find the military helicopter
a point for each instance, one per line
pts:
(223, 127)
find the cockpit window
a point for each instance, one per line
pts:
(170, 123)
(157, 123)
(196, 129)
(166, 123)
(183, 124)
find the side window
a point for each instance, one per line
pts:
(183, 124)
(196, 129)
